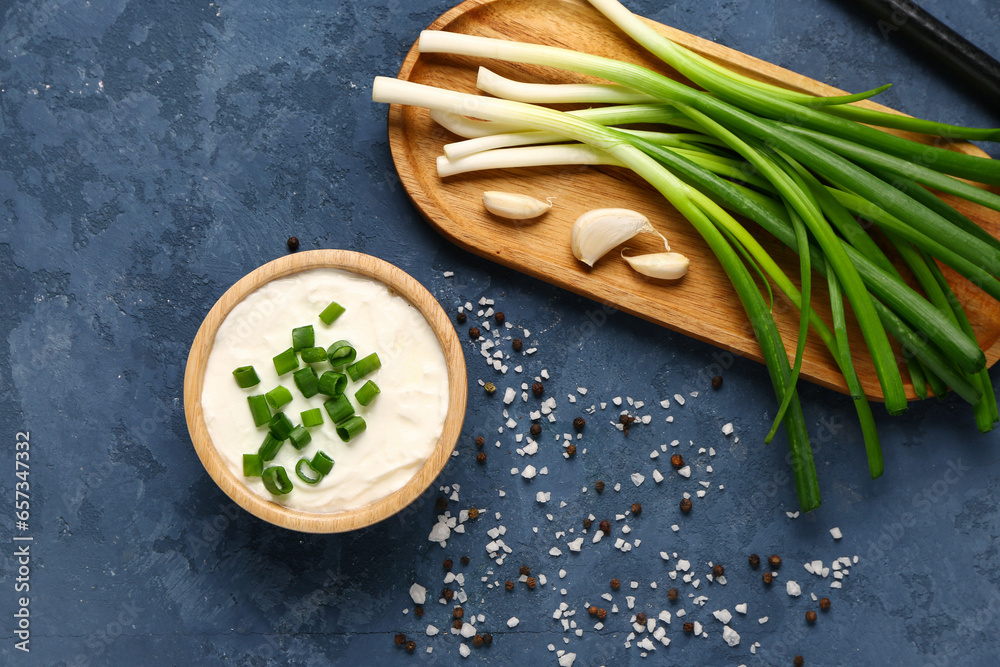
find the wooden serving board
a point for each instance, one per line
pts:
(703, 304)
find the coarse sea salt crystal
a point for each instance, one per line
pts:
(637, 479)
(513, 621)
(727, 429)
(835, 533)
(723, 616)
(793, 589)
(431, 631)
(567, 659)
(575, 544)
(543, 496)
(730, 636)
(741, 608)
(555, 551)
(528, 472)
(679, 399)
(685, 471)
(418, 594)
(509, 395)
(657, 476)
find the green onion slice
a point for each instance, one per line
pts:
(276, 481)
(332, 383)
(246, 377)
(300, 437)
(322, 463)
(280, 426)
(369, 390)
(331, 312)
(286, 361)
(303, 337)
(341, 353)
(313, 417)
(339, 408)
(351, 428)
(313, 355)
(278, 397)
(304, 463)
(259, 410)
(363, 367)
(269, 448)
(306, 381)
(253, 465)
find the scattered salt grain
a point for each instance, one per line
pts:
(835, 533)
(513, 621)
(793, 589)
(727, 429)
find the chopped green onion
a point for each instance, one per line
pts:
(308, 480)
(322, 463)
(258, 408)
(253, 465)
(331, 312)
(341, 353)
(269, 448)
(286, 361)
(278, 397)
(313, 355)
(300, 437)
(369, 390)
(276, 481)
(332, 383)
(303, 337)
(351, 427)
(246, 376)
(280, 426)
(339, 408)
(363, 367)
(306, 381)
(313, 417)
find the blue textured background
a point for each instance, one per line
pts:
(152, 153)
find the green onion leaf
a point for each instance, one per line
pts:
(269, 448)
(341, 353)
(332, 383)
(307, 381)
(276, 481)
(369, 390)
(304, 463)
(303, 337)
(313, 417)
(313, 355)
(280, 426)
(339, 409)
(278, 397)
(351, 428)
(259, 410)
(363, 367)
(322, 463)
(331, 312)
(300, 437)
(253, 466)
(246, 377)
(286, 361)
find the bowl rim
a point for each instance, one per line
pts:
(400, 283)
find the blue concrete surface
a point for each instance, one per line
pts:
(151, 153)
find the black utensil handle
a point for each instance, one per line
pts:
(958, 53)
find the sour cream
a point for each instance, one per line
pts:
(404, 421)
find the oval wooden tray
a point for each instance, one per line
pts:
(403, 285)
(703, 304)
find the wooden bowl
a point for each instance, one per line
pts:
(308, 522)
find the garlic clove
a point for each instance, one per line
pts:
(598, 231)
(514, 206)
(664, 265)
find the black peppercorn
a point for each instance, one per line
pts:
(447, 594)
(592, 611)
(509, 585)
(480, 441)
(824, 604)
(605, 527)
(537, 389)
(473, 332)
(400, 639)
(418, 611)
(571, 450)
(499, 317)
(640, 618)
(677, 461)
(441, 504)
(447, 563)
(487, 638)
(774, 560)
(457, 624)
(292, 243)
(516, 344)
(530, 581)
(525, 570)
(754, 561)
(481, 457)
(535, 430)
(798, 661)
(579, 423)
(473, 513)
(717, 382)
(587, 523)
(636, 509)
(767, 577)
(718, 570)
(689, 627)
(615, 584)
(465, 560)
(411, 646)
(602, 614)
(685, 505)
(673, 594)
(477, 640)
(460, 318)
(810, 616)
(598, 486)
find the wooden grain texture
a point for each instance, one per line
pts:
(400, 283)
(703, 304)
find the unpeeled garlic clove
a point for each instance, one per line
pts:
(514, 206)
(665, 265)
(598, 231)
